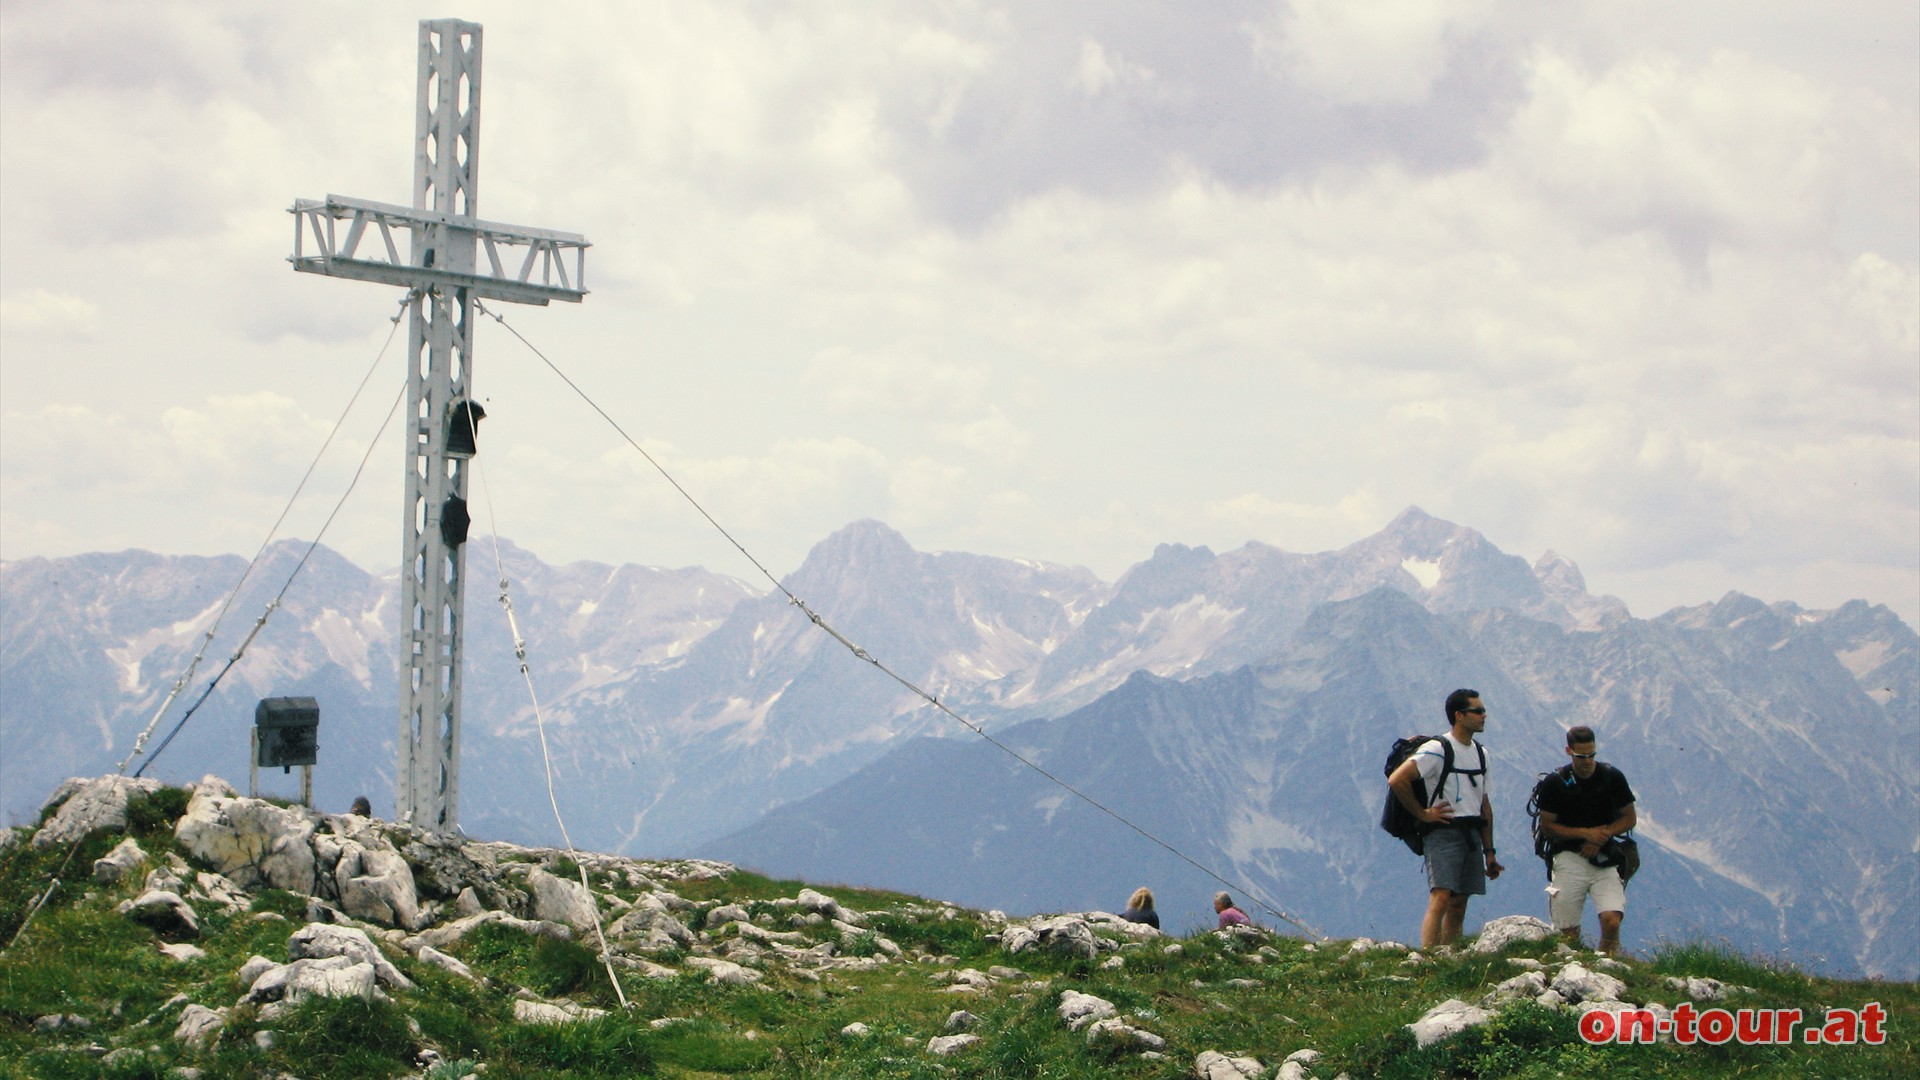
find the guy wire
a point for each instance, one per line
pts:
(863, 654)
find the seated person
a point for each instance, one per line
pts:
(1140, 908)
(1229, 915)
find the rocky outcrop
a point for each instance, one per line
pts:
(164, 912)
(370, 878)
(251, 841)
(1065, 935)
(123, 860)
(199, 1026)
(86, 805)
(1214, 1065)
(320, 940)
(1499, 933)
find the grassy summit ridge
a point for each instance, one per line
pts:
(88, 992)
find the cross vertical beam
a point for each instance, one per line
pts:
(446, 164)
(445, 275)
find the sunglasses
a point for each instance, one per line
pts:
(1480, 711)
(1584, 757)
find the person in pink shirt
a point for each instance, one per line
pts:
(1229, 915)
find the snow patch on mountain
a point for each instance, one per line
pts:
(1702, 852)
(1424, 571)
(1252, 832)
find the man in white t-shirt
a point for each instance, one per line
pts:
(1458, 817)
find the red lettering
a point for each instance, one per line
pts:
(1597, 1026)
(1683, 1018)
(1752, 1026)
(1716, 1026)
(1784, 1021)
(1637, 1026)
(1842, 1026)
(1871, 1017)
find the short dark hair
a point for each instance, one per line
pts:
(1457, 701)
(1579, 733)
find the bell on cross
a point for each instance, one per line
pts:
(463, 427)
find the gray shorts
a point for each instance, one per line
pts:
(1455, 862)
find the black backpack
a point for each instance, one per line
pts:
(1623, 850)
(1396, 819)
(1542, 843)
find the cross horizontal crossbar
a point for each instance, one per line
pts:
(550, 265)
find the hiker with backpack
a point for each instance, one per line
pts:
(1443, 785)
(1584, 808)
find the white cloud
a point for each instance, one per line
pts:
(39, 311)
(1100, 71)
(1386, 51)
(1038, 281)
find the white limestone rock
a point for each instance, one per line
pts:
(251, 841)
(321, 940)
(1576, 984)
(564, 1012)
(1527, 985)
(218, 889)
(949, 1045)
(1214, 1065)
(89, 804)
(200, 1026)
(725, 972)
(1499, 933)
(163, 912)
(441, 936)
(561, 900)
(255, 967)
(653, 922)
(1078, 1010)
(1116, 1032)
(1699, 989)
(1298, 1066)
(726, 913)
(433, 957)
(819, 903)
(125, 857)
(1448, 1018)
(332, 976)
(1061, 934)
(375, 884)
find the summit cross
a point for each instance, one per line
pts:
(453, 259)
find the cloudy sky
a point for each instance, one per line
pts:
(1636, 282)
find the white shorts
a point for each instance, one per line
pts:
(1574, 880)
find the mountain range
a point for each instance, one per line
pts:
(1234, 708)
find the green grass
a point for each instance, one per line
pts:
(79, 957)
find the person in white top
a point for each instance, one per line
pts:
(1458, 814)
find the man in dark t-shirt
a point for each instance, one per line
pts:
(1583, 804)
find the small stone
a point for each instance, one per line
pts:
(200, 1026)
(1078, 1009)
(1448, 1018)
(1213, 1065)
(949, 1045)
